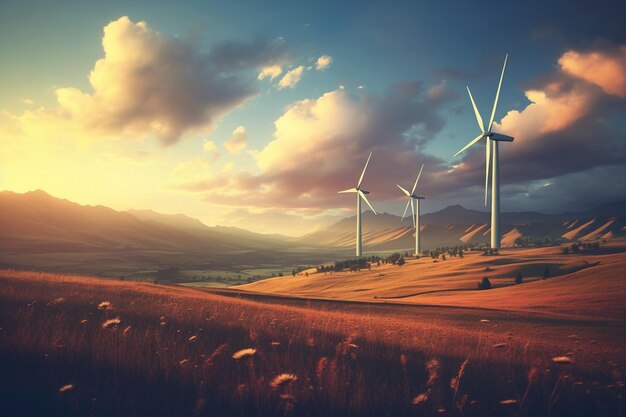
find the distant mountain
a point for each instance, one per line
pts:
(38, 230)
(179, 221)
(41, 231)
(455, 225)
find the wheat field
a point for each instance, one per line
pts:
(78, 346)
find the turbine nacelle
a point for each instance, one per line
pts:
(500, 137)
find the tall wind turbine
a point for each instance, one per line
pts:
(491, 147)
(414, 198)
(360, 194)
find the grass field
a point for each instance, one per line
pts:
(589, 283)
(185, 352)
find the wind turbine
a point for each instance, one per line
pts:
(360, 194)
(416, 211)
(491, 147)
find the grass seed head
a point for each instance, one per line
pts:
(111, 324)
(244, 353)
(283, 380)
(66, 388)
(563, 360)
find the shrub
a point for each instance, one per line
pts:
(565, 250)
(485, 284)
(518, 278)
(546, 272)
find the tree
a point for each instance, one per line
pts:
(485, 284)
(546, 272)
(518, 278)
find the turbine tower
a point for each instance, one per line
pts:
(416, 211)
(360, 194)
(491, 147)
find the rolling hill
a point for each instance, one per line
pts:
(41, 231)
(589, 283)
(456, 225)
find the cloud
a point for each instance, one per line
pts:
(271, 72)
(237, 140)
(568, 126)
(209, 147)
(607, 70)
(27, 101)
(323, 62)
(291, 78)
(149, 85)
(319, 146)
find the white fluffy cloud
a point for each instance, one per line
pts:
(210, 148)
(237, 141)
(271, 72)
(606, 69)
(149, 85)
(323, 62)
(563, 129)
(320, 146)
(291, 78)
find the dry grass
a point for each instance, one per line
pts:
(182, 352)
(586, 284)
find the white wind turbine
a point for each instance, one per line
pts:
(491, 147)
(360, 194)
(415, 210)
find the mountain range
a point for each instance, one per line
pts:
(456, 225)
(43, 232)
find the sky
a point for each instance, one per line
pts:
(254, 114)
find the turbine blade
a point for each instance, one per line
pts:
(406, 208)
(479, 119)
(495, 103)
(368, 203)
(405, 191)
(476, 139)
(413, 212)
(487, 167)
(417, 179)
(351, 190)
(363, 173)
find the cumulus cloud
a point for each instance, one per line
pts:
(149, 85)
(565, 129)
(319, 146)
(237, 140)
(323, 62)
(291, 78)
(271, 72)
(607, 70)
(210, 148)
